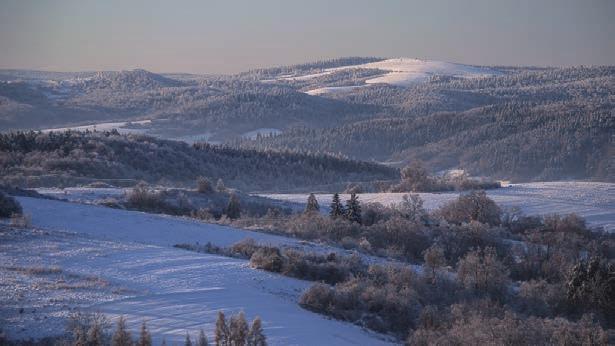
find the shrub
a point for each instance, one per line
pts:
(267, 258)
(203, 185)
(474, 206)
(8, 206)
(481, 270)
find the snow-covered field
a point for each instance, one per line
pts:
(142, 277)
(119, 126)
(591, 200)
(262, 131)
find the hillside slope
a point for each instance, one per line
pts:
(66, 158)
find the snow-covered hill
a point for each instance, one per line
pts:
(121, 263)
(398, 72)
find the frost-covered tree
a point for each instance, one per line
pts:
(434, 259)
(203, 185)
(411, 207)
(202, 340)
(222, 333)
(353, 209)
(312, 204)
(256, 337)
(187, 341)
(145, 338)
(337, 209)
(239, 329)
(121, 336)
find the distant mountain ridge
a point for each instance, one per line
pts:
(397, 110)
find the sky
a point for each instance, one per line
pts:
(228, 36)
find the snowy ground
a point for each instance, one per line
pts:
(593, 201)
(262, 131)
(142, 277)
(119, 126)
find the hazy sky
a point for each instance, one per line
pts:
(231, 36)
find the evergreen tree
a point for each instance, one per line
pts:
(202, 341)
(188, 342)
(121, 337)
(145, 338)
(337, 209)
(256, 337)
(312, 204)
(222, 337)
(353, 209)
(239, 329)
(164, 342)
(233, 209)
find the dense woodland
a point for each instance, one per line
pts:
(68, 158)
(536, 124)
(521, 124)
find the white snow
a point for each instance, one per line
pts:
(262, 131)
(329, 90)
(119, 126)
(592, 200)
(404, 72)
(174, 290)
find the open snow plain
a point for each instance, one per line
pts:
(592, 200)
(122, 263)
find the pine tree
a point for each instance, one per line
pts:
(353, 209)
(239, 329)
(256, 337)
(188, 342)
(233, 209)
(121, 337)
(222, 331)
(202, 341)
(337, 209)
(145, 338)
(312, 204)
(164, 342)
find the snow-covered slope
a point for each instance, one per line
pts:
(399, 72)
(593, 201)
(176, 291)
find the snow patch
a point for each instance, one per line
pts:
(119, 126)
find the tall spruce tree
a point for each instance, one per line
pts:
(187, 342)
(312, 204)
(233, 209)
(337, 209)
(353, 209)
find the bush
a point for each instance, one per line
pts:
(474, 206)
(267, 258)
(203, 185)
(9, 206)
